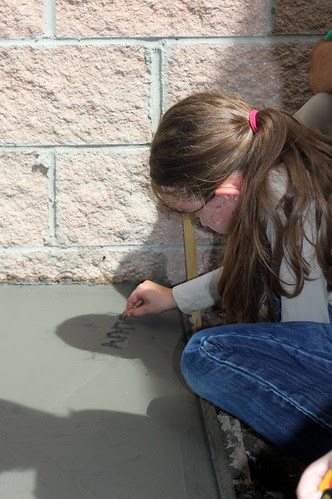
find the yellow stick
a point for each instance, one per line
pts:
(188, 226)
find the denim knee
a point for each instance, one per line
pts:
(187, 361)
(193, 363)
(273, 376)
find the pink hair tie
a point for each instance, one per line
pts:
(252, 120)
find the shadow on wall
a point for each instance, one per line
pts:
(102, 453)
(160, 256)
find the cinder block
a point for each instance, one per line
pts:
(50, 265)
(21, 18)
(93, 265)
(134, 18)
(264, 74)
(208, 259)
(139, 264)
(303, 16)
(23, 200)
(204, 235)
(74, 95)
(105, 199)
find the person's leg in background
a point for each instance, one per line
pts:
(320, 74)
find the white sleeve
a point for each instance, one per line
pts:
(198, 293)
(312, 304)
(317, 113)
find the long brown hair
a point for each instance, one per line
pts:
(205, 138)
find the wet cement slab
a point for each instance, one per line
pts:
(94, 406)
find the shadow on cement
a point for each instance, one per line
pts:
(126, 338)
(62, 450)
(92, 453)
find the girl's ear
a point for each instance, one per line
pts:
(231, 186)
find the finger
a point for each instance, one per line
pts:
(138, 303)
(308, 486)
(139, 311)
(134, 300)
(308, 494)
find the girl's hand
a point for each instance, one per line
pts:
(149, 298)
(308, 487)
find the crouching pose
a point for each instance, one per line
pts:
(264, 177)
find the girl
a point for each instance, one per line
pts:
(264, 178)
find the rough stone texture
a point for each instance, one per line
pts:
(135, 18)
(93, 264)
(105, 199)
(265, 75)
(21, 18)
(23, 200)
(206, 236)
(208, 259)
(83, 92)
(102, 264)
(73, 95)
(303, 16)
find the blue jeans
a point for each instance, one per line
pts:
(277, 377)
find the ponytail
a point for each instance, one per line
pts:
(295, 161)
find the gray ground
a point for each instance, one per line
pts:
(93, 406)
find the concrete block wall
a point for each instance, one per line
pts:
(83, 84)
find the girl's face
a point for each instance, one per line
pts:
(215, 214)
